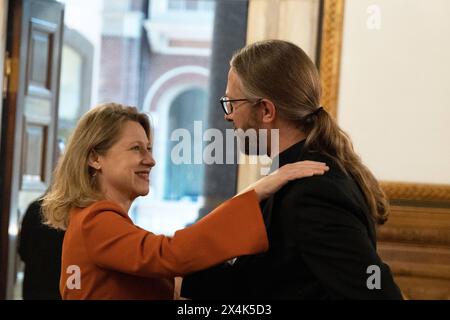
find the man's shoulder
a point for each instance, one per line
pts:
(334, 189)
(316, 189)
(335, 179)
(335, 172)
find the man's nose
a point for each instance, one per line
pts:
(229, 117)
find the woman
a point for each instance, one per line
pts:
(106, 165)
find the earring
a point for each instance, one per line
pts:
(96, 170)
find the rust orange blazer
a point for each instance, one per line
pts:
(118, 260)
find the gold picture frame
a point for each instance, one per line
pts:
(329, 66)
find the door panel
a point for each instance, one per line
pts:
(35, 40)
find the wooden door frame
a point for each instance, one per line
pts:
(12, 134)
(8, 154)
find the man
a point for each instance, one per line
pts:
(321, 230)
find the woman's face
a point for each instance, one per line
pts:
(124, 171)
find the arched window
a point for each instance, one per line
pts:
(185, 181)
(75, 82)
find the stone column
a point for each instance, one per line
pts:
(229, 35)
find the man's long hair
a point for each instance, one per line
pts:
(283, 73)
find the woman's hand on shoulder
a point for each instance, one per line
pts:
(270, 184)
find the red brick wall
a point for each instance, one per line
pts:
(119, 71)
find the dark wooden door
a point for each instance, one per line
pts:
(29, 120)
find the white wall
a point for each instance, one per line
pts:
(86, 16)
(302, 25)
(394, 96)
(291, 20)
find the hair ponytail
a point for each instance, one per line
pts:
(325, 136)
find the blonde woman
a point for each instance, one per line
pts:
(107, 165)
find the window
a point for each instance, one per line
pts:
(200, 5)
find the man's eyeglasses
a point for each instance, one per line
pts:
(228, 107)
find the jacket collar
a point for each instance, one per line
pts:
(290, 155)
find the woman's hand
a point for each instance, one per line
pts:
(177, 288)
(270, 184)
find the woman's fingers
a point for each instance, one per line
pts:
(304, 169)
(311, 162)
(273, 182)
(306, 173)
(307, 164)
(299, 169)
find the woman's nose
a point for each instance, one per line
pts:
(149, 160)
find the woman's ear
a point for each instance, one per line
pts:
(94, 160)
(268, 111)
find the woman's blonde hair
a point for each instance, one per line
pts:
(283, 73)
(74, 183)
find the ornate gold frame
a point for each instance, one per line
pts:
(330, 52)
(330, 58)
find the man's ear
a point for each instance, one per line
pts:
(94, 160)
(268, 111)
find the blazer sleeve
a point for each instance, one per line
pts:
(233, 229)
(336, 246)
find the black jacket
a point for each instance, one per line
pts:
(40, 249)
(322, 241)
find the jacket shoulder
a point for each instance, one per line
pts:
(331, 196)
(99, 208)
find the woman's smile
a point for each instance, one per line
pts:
(143, 174)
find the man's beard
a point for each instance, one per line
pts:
(250, 140)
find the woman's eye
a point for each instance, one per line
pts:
(136, 148)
